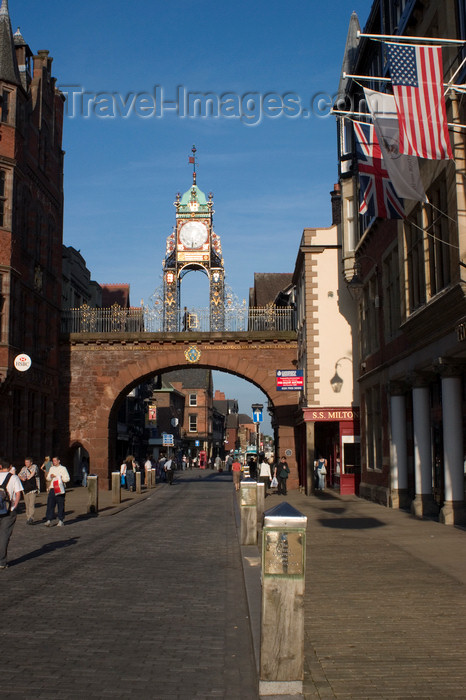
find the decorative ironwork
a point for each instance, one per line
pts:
(238, 318)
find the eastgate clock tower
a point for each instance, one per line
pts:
(193, 245)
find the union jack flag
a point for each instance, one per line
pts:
(377, 196)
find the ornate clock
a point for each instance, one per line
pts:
(193, 234)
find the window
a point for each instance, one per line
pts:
(5, 105)
(415, 262)
(369, 318)
(392, 301)
(438, 239)
(2, 197)
(193, 399)
(193, 424)
(373, 428)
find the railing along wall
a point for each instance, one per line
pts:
(116, 319)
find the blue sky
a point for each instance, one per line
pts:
(270, 180)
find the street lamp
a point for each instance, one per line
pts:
(336, 381)
(356, 284)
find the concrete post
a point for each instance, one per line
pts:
(138, 482)
(248, 509)
(93, 493)
(149, 478)
(116, 487)
(283, 581)
(260, 504)
(153, 474)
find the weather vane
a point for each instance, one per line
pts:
(192, 159)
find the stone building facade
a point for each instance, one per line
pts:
(411, 285)
(31, 225)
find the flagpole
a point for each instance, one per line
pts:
(389, 80)
(348, 115)
(398, 38)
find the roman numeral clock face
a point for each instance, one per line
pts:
(193, 235)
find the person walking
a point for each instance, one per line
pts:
(130, 473)
(265, 473)
(57, 477)
(321, 473)
(11, 488)
(236, 469)
(169, 469)
(282, 472)
(45, 466)
(29, 475)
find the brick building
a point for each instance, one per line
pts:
(31, 226)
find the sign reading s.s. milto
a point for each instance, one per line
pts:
(290, 379)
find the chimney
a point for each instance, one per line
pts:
(336, 204)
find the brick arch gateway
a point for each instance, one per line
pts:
(98, 369)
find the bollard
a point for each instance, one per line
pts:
(116, 487)
(283, 581)
(149, 478)
(138, 482)
(153, 475)
(248, 508)
(260, 503)
(93, 493)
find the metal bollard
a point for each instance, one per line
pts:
(153, 475)
(138, 482)
(116, 487)
(93, 493)
(260, 503)
(283, 582)
(248, 509)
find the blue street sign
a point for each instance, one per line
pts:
(196, 443)
(257, 416)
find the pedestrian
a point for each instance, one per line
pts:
(161, 468)
(169, 469)
(236, 469)
(184, 463)
(218, 463)
(130, 470)
(147, 470)
(10, 489)
(229, 463)
(44, 470)
(29, 475)
(321, 473)
(123, 474)
(84, 471)
(57, 477)
(252, 468)
(185, 319)
(282, 472)
(265, 473)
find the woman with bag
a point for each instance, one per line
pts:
(29, 475)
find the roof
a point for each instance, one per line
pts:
(244, 419)
(9, 71)
(268, 285)
(115, 294)
(195, 378)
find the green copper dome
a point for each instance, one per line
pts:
(193, 194)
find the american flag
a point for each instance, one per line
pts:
(377, 196)
(417, 79)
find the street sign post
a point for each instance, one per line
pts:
(167, 440)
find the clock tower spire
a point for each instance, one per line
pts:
(193, 245)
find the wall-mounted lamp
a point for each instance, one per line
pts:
(336, 381)
(356, 284)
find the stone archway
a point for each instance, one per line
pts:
(102, 368)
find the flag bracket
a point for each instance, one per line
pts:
(395, 38)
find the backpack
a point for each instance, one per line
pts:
(5, 496)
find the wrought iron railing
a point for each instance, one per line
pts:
(116, 319)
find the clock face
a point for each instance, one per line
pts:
(193, 234)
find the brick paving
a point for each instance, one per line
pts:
(151, 602)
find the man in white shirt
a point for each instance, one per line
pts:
(57, 477)
(7, 522)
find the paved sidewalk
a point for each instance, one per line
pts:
(385, 602)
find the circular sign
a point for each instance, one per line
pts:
(288, 453)
(22, 362)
